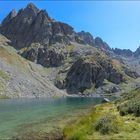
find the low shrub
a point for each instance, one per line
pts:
(106, 125)
(130, 107)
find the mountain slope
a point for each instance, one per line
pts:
(21, 78)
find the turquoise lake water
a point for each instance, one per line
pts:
(20, 115)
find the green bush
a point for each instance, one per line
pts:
(130, 107)
(106, 125)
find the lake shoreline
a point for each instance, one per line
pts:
(20, 117)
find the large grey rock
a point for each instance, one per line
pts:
(44, 56)
(89, 71)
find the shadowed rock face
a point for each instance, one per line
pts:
(45, 57)
(89, 71)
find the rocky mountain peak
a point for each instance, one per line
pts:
(32, 7)
(13, 13)
(32, 25)
(101, 44)
(29, 10)
(10, 16)
(87, 37)
(43, 15)
(137, 52)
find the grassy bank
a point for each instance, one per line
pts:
(107, 121)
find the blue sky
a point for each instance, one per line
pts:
(116, 22)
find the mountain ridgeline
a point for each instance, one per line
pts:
(78, 63)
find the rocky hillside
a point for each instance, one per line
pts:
(21, 78)
(92, 72)
(58, 55)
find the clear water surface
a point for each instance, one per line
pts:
(19, 115)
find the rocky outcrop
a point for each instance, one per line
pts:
(123, 52)
(44, 56)
(137, 52)
(50, 57)
(131, 73)
(10, 16)
(61, 84)
(99, 43)
(91, 70)
(17, 29)
(87, 38)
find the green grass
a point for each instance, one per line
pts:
(105, 122)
